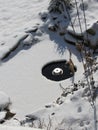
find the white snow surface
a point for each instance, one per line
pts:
(3, 127)
(20, 76)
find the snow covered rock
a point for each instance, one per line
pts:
(43, 15)
(92, 36)
(52, 27)
(13, 48)
(33, 30)
(4, 101)
(2, 116)
(29, 40)
(4, 107)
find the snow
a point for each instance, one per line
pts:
(20, 73)
(4, 127)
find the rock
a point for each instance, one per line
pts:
(76, 35)
(48, 106)
(43, 15)
(62, 27)
(28, 40)
(69, 39)
(79, 109)
(81, 123)
(2, 43)
(62, 33)
(94, 48)
(53, 113)
(91, 31)
(9, 115)
(32, 117)
(52, 28)
(39, 32)
(33, 30)
(2, 116)
(54, 17)
(13, 48)
(4, 101)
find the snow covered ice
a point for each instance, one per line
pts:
(31, 37)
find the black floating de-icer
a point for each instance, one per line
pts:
(58, 70)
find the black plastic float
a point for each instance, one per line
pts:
(58, 70)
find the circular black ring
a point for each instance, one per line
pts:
(47, 70)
